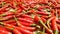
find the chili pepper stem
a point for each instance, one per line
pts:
(56, 32)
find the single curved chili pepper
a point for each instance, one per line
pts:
(45, 16)
(28, 28)
(42, 13)
(54, 26)
(26, 16)
(28, 21)
(26, 24)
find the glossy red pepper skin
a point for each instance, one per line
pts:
(8, 13)
(54, 24)
(43, 19)
(36, 19)
(44, 16)
(12, 22)
(26, 16)
(42, 13)
(6, 18)
(26, 27)
(24, 31)
(15, 31)
(25, 20)
(19, 10)
(7, 25)
(26, 24)
(4, 31)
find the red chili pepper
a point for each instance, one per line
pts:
(6, 18)
(7, 25)
(28, 21)
(5, 32)
(26, 16)
(19, 10)
(15, 31)
(24, 31)
(26, 24)
(54, 26)
(44, 16)
(43, 19)
(26, 27)
(42, 13)
(7, 13)
(36, 19)
(31, 11)
(12, 22)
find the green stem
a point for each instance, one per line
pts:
(56, 32)
(43, 32)
(48, 21)
(17, 21)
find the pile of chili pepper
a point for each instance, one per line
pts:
(29, 16)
